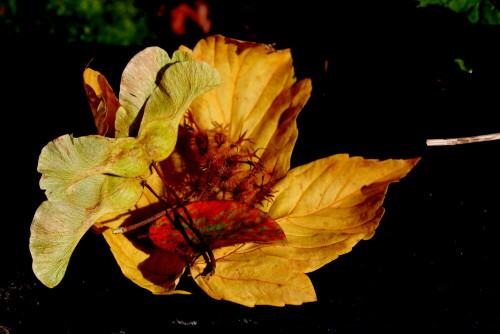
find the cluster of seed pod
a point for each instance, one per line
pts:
(222, 169)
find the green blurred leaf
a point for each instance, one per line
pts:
(476, 11)
(114, 22)
(461, 64)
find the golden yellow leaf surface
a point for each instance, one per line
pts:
(324, 208)
(259, 96)
(327, 206)
(254, 280)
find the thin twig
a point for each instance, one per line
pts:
(462, 140)
(124, 229)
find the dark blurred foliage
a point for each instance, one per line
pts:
(109, 22)
(476, 11)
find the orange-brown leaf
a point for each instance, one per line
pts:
(102, 100)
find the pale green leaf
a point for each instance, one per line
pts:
(139, 80)
(180, 84)
(84, 178)
(59, 225)
(67, 161)
(89, 177)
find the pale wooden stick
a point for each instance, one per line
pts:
(462, 140)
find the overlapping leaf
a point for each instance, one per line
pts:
(58, 225)
(180, 83)
(153, 269)
(139, 79)
(258, 96)
(102, 100)
(327, 206)
(254, 280)
(148, 74)
(88, 177)
(324, 208)
(68, 165)
(219, 224)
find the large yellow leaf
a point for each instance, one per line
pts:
(327, 206)
(258, 96)
(324, 208)
(279, 146)
(179, 84)
(254, 280)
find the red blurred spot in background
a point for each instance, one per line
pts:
(199, 14)
(161, 10)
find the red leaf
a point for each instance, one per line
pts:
(220, 223)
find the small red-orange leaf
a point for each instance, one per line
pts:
(220, 223)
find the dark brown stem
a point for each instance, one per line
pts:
(161, 199)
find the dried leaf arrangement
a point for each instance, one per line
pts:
(190, 171)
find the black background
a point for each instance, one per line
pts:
(384, 81)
